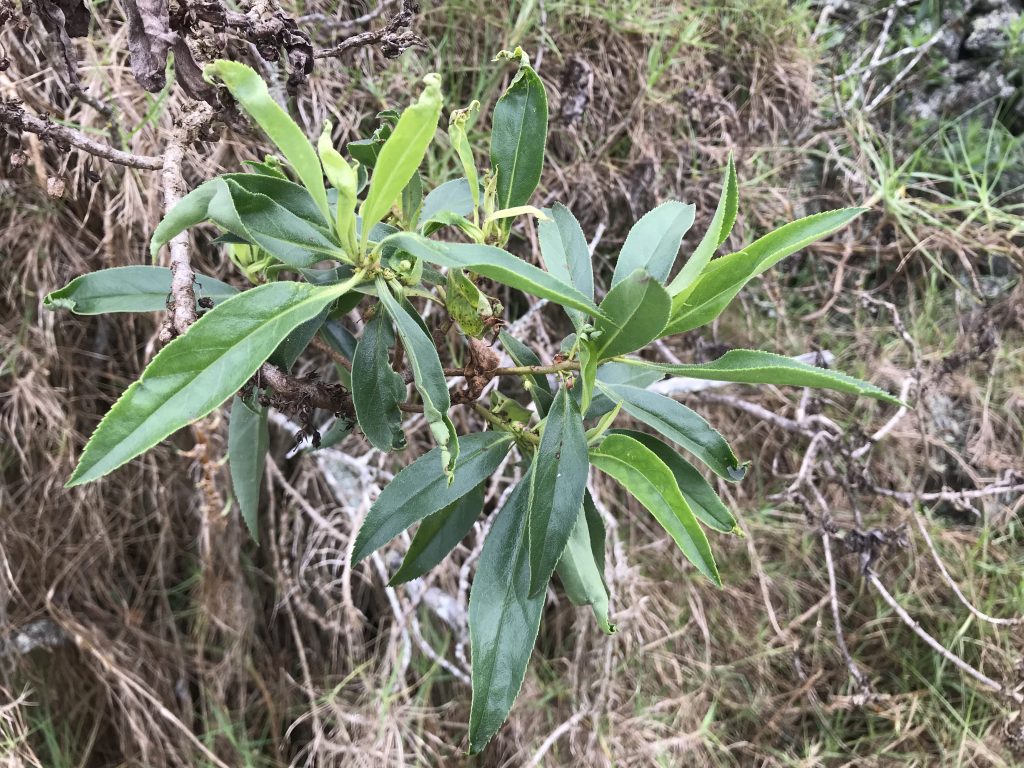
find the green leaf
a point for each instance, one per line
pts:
(402, 154)
(723, 278)
(647, 478)
(718, 233)
(453, 197)
(438, 535)
(557, 482)
(653, 242)
(498, 265)
(428, 375)
(581, 569)
(566, 254)
(521, 354)
(248, 439)
(271, 226)
(412, 200)
(421, 489)
(503, 619)
(340, 429)
(339, 338)
(249, 90)
(748, 366)
(518, 134)
(128, 289)
(680, 425)
(637, 310)
(377, 390)
(618, 373)
(193, 208)
(295, 343)
(199, 370)
(697, 491)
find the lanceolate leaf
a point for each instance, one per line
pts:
(248, 438)
(580, 570)
(427, 375)
(566, 253)
(718, 232)
(637, 310)
(251, 93)
(498, 265)
(271, 226)
(518, 135)
(295, 343)
(200, 370)
(439, 534)
(749, 366)
(723, 278)
(193, 208)
(376, 389)
(653, 242)
(421, 489)
(699, 494)
(557, 482)
(521, 354)
(680, 425)
(128, 289)
(503, 619)
(647, 478)
(402, 154)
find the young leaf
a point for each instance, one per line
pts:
(518, 134)
(427, 375)
(749, 366)
(557, 482)
(438, 535)
(128, 289)
(580, 570)
(718, 233)
(402, 154)
(647, 478)
(200, 370)
(637, 310)
(376, 389)
(699, 494)
(421, 489)
(680, 425)
(345, 180)
(566, 254)
(248, 438)
(457, 123)
(723, 278)
(503, 619)
(249, 90)
(653, 242)
(540, 389)
(498, 265)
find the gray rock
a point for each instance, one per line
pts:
(968, 87)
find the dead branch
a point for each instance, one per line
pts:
(14, 115)
(393, 38)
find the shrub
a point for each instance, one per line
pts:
(373, 225)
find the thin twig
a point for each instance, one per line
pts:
(954, 586)
(938, 647)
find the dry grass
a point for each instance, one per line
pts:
(179, 629)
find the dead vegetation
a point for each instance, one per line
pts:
(179, 643)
